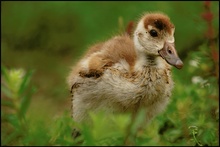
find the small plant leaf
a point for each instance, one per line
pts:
(10, 137)
(26, 101)
(7, 92)
(7, 103)
(13, 120)
(25, 82)
(5, 73)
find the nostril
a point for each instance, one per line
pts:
(169, 51)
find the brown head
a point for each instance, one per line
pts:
(154, 35)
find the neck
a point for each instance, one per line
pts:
(146, 59)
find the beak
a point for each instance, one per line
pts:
(168, 52)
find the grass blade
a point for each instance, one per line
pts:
(25, 82)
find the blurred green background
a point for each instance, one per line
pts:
(49, 37)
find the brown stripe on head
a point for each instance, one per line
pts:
(158, 20)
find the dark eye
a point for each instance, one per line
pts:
(153, 33)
